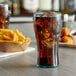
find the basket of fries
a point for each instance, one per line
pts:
(13, 41)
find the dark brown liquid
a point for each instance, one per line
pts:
(4, 18)
(47, 40)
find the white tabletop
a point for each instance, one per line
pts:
(25, 64)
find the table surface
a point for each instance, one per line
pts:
(25, 64)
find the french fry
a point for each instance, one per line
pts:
(5, 37)
(19, 34)
(1, 37)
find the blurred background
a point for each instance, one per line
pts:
(27, 7)
(22, 12)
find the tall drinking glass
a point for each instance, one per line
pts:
(47, 26)
(4, 15)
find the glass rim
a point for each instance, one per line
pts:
(56, 15)
(51, 14)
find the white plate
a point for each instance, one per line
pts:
(4, 54)
(72, 32)
(66, 44)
